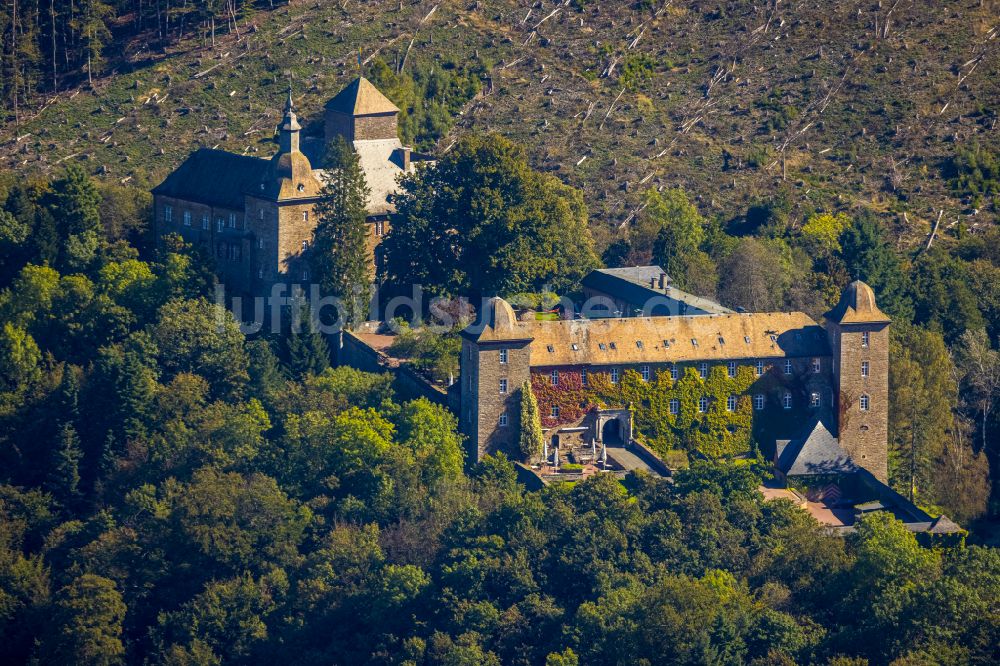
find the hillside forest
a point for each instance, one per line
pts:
(173, 491)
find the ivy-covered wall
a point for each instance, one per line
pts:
(715, 432)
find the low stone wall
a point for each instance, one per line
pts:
(408, 384)
(648, 457)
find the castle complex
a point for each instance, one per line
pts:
(803, 375)
(257, 215)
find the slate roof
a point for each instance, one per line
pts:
(632, 285)
(215, 178)
(361, 98)
(817, 452)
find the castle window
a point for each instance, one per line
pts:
(555, 411)
(722, 340)
(774, 338)
(232, 220)
(305, 245)
(555, 378)
(300, 187)
(602, 346)
(503, 356)
(503, 386)
(675, 406)
(260, 243)
(702, 404)
(788, 366)
(816, 365)
(746, 339)
(731, 403)
(638, 343)
(865, 338)
(550, 348)
(673, 371)
(305, 275)
(168, 213)
(575, 347)
(694, 342)
(614, 375)
(379, 227)
(644, 371)
(760, 368)
(305, 216)
(261, 211)
(503, 420)
(187, 218)
(260, 273)
(731, 368)
(703, 370)
(814, 399)
(613, 345)
(583, 377)
(786, 400)
(666, 344)
(758, 401)
(864, 368)
(865, 403)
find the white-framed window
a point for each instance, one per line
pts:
(583, 377)
(260, 273)
(816, 366)
(675, 406)
(614, 375)
(865, 402)
(674, 371)
(555, 378)
(503, 420)
(731, 403)
(503, 386)
(305, 245)
(305, 275)
(786, 400)
(379, 227)
(168, 213)
(644, 371)
(703, 370)
(260, 243)
(788, 366)
(759, 366)
(555, 411)
(503, 357)
(731, 368)
(866, 338)
(758, 401)
(261, 213)
(864, 368)
(702, 404)
(814, 399)
(305, 216)
(187, 218)
(232, 220)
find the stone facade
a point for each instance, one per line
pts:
(361, 127)
(817, 369)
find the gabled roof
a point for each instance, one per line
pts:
(818, 452)
(857, 306)
(361, 98)
(215, 178)
(632, 285)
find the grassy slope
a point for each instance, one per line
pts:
(723, 78)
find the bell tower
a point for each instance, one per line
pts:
(859, 339)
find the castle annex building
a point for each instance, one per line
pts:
(257, 215)
(804, 373)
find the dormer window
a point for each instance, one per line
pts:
(575, 347)
(550, 348)
(301, 187)
(613, 345)
(666, 344)
(638, 343)
(602, 346)
(746, 339)
(722, 340)
(774, 338)
(694, 342)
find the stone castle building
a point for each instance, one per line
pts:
(257, 215)
(805, 374)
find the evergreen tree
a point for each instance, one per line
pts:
(266, 378)
(64, 474)
(306, 351)
(866, 252)
(339, 255)
(531, 424)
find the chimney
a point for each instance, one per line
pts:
(663, 280)
(406, 158)
(652, 283)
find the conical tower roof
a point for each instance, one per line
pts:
(857, 306)
(361, 98)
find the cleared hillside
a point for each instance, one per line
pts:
(831, 105)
